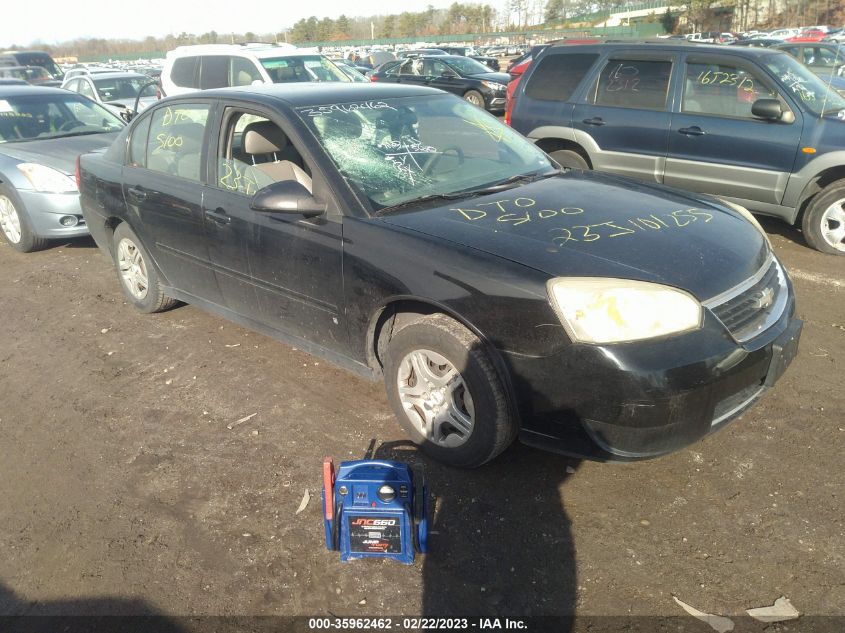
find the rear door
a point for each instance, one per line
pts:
(162, 186)
(717, 146)
(626, 115)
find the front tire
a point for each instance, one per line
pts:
(14, 223)
(569, 158)
(824, 220)
(446, 392)
(138, 276)
(475, 98)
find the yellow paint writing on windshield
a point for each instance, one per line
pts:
(172, 117)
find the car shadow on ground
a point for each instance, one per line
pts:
(100, 614)
(500, 540)
(776, 226)
(86, 241)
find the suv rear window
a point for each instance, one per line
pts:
(184, 72)
(557, 76)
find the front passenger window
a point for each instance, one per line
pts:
(175, 142)
(242, 72)
(722, 90)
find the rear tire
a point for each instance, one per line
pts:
(569, 158)
(824, 220)
(137, 274)
(15, 225)
(463, 420)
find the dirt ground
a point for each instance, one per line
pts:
(124, 491)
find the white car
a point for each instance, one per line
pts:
(782, 34)
(116, 91)
(205, 66)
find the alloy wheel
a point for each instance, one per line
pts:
(133, 268)
(833, 225)
(10, 221)
(435, 398)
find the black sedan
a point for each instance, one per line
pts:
(406, 235)
(461, 76)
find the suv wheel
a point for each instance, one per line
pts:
(475, 98)
(824, 220)
(569, 158)
(446, 392)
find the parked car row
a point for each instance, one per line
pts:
(402, 232)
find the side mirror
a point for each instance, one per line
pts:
(769, 109)
(287, 196)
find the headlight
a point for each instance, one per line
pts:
(748, 216)
(599, 310)
(47, 179)
(494, 85)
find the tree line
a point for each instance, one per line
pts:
(477, 18)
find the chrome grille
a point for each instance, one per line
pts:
(755, 304)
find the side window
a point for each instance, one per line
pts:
(820, 57)
(411, 67)
(242, 72)
(184, 72)
(722, 90)
(558, 76)
(254, 153)
(629, 83)
(175, 143)
(73, 85)
(214, 71)
(138, 143)
(86, 89)
(437, 69)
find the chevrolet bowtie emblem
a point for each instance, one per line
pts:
(764, 299)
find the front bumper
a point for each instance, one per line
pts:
(44, 211)
(641, 400)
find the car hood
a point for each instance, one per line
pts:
(502, 78)
(59, 153)
(596, 225)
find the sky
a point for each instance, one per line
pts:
(51, 21)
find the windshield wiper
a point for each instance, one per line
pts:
(503, 185)
(71, 133)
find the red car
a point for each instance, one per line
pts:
(810, 35)
(516, 71)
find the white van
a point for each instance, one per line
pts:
(205, 66)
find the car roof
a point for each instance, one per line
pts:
(15, 91)
(316, 94)
(257, 49)
(667, 46)
(115, 75)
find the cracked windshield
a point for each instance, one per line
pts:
(396, 150)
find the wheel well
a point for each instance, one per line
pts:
(111, 225)
(815, 186)
(397, 314)
(550, 145)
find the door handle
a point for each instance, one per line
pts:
(596, 120)
(219, 216)
(137, 193)
(692, 131)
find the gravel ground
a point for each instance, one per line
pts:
(124, 490)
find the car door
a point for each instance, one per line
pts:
(717, 146)
(163, 189)
(410, 72)
(282, 270)
(624, 120)
(439, 75)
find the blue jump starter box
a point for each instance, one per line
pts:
(375, 509)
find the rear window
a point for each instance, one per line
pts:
(629, 83)
(214, 72)
(183, 72)
(557, 76)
